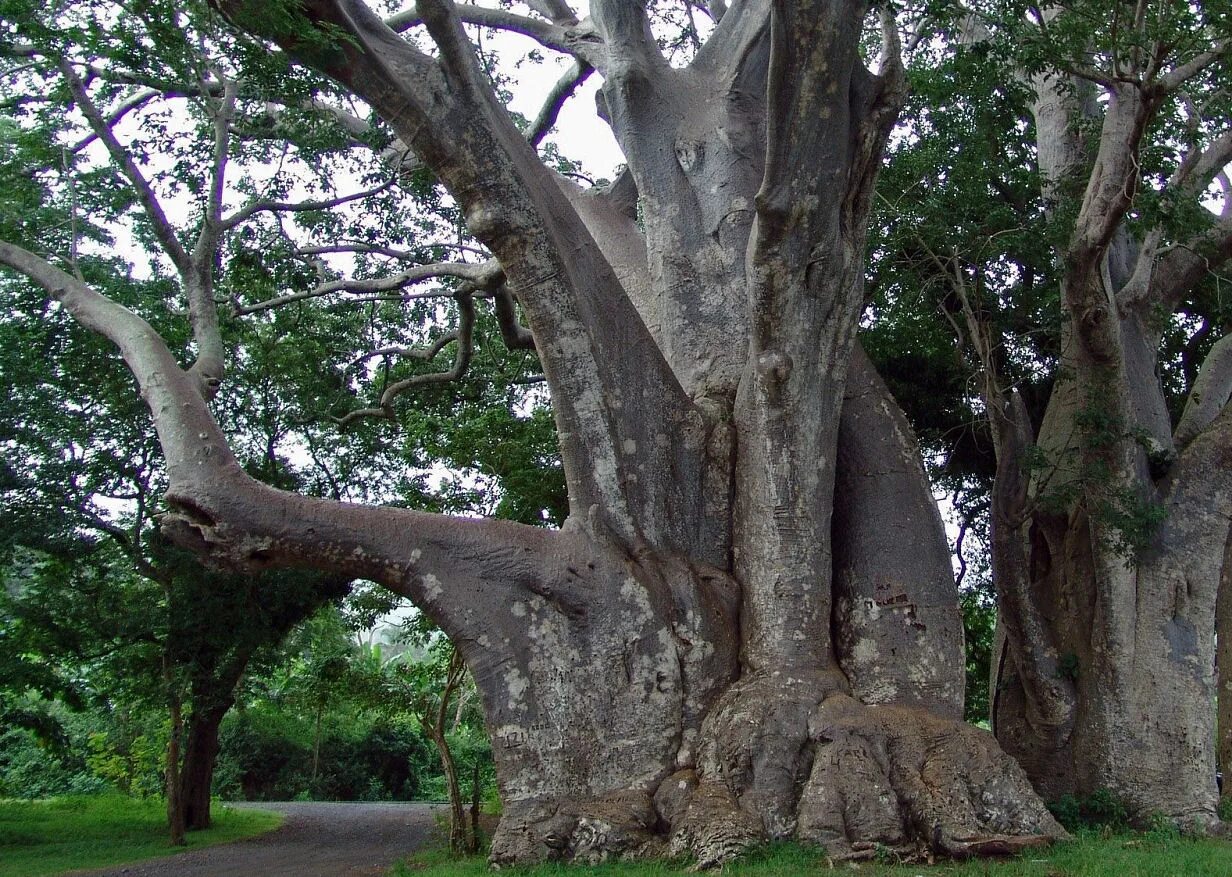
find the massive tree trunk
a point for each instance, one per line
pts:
(748, 626)
(1109, 541)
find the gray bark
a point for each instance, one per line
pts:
(747, 628)
(1125, 628)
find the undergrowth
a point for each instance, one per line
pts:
(39, 838)
(1091, 853)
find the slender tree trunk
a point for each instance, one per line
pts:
(316, 740)
(174, 783)
(200, 757)
(458, 841)
(476, 797)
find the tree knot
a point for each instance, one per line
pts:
(774, 366)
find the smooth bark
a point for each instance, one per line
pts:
(1108, 556)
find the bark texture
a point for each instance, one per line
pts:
(748, 627)
(1108, 550)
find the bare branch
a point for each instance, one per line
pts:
(561, 92)
(481, 274)
(557, 11)
(256, 207)
(462, 361)
(1184, 265)
(513, 333)
(133, 103)
(566, 36)
(163, 230)
(199, 285)
(424, 353)
(1178, 76)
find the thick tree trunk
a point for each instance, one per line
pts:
(747, 628)
(1108, 563)
(1223, 668)
(762, 753)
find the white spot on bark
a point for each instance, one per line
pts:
(865, 651)
(517, 685)
(432, 586)
(518, 608)
(629, 446)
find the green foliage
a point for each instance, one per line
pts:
(43, 838)
(1089, 855)
(29, 768)
(979, 613)
(267, 755)
(134, 766)
(1101, 810)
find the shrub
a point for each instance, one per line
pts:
(1102, 809)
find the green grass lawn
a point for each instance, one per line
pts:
(66, 834)
(1152, 855)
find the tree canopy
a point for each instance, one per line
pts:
(332, 258)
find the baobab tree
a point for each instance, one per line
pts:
(1088, 297)
(747, 627)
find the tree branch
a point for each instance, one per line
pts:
(561, 92)
(164, 233)
(480, 274)
(218, 510)
(513, 333)
(268, 206)
(462, 360)
(133, 103)
(564, 35)
(1209, 394)
(1178, 76)
(588, 335)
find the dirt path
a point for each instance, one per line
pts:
(318, 839)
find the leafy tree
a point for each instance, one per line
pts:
(1071, 244)
(747, 625)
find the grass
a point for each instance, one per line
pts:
(1159, 854)
(40, 838)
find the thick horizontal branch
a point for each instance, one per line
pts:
(218, 510)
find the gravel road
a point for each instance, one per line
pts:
(318, 839)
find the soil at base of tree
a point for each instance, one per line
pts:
(318, 839)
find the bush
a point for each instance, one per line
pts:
(263, 756)
(1101, 810)
(266, 755)
(31, 769)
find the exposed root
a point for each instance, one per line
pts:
(620, 826)
(910, 781)
(856, 779)
(797, 758)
